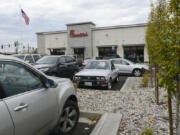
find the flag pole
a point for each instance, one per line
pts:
(21, 34)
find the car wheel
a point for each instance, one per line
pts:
(69, 118)
(117, 79)
(137, 72)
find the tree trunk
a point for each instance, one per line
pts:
(151, 76)
(177, 103)
(156, 84)
(170, 113)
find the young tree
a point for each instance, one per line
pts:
(175, 38)
(152, 39)
(162, 37)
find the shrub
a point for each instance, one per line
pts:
(147, 131)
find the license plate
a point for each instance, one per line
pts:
(88, 83)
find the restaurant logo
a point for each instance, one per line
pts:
(73, 34)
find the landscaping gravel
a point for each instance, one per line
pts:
(137, 104)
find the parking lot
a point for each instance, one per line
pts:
(100, 75)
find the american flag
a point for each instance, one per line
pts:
(26, 18)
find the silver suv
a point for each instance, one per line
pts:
(125, 66)
(32, 103)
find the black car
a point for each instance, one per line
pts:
(60, 66)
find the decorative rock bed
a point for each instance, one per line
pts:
(137, 104)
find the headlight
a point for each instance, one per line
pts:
(103, 78)
(44, 69)
(100, 78)
(77, 78)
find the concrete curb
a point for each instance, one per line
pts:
(128, 85)
(108, 124)
(85, 115)
(90, 113)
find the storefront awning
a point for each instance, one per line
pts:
(130, 45)
(59, 48)
(106, 46)
(78, 47)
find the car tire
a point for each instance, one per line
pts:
(137, 72)
(117, 79)
(68, 123)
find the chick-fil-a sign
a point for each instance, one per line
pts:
(73, 34)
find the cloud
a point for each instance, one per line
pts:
(52, 15)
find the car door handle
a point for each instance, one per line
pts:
(20, 107)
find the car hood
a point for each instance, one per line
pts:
(39, 66)
(93, 72)
(58, 79)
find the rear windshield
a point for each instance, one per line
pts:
(97, 65)
(48, 60)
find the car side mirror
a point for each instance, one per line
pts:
(50, 83)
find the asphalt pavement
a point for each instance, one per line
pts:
(82, 129)
(118, 85)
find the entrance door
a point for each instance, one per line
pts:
(79, 53)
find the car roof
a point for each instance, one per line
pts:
(101, 60)
(24, 54)
(116, 59)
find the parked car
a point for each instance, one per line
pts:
(32, 103)
(97, 73)
(125, 66)
(60, 66)
(30, 58)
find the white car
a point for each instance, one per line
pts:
(32, 103)
(97, 73)
(30, 58)
(125, 66)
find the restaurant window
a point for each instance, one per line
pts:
(58, 51)
(134, 53)
(104, 51)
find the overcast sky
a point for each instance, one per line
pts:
(53, 15)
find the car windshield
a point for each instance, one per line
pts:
(98, 65)
(48, 60)
(19, 56)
